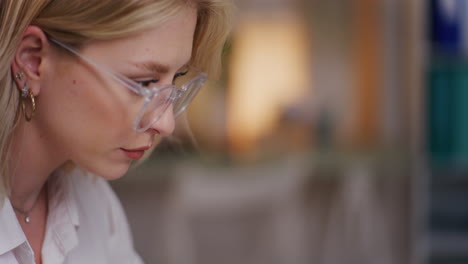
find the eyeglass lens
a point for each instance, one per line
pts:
(162, 100)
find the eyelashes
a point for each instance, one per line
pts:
(180, 74)
(147, 83)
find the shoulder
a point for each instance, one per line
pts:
(94, 196)
(96, 199)
(101, 214)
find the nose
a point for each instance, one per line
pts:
(165, 125)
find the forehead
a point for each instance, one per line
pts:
(169, 43)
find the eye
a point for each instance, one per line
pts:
(180, 74)
(147, 83)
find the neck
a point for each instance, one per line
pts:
(31, 163)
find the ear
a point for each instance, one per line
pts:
(29, 58)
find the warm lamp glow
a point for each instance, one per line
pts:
(270, 70)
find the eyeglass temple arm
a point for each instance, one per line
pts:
(121, 79)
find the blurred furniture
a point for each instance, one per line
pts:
(249, 215)
(346, 209)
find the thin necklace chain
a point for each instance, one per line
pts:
(27, 211)
(27, 219)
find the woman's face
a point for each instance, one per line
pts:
(87, 116)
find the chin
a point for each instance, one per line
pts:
(113, 174)
(109, 172)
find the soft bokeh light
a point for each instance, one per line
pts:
(270, 70)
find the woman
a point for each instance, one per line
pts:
(90, 83)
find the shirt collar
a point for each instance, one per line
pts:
(62, 221)
(11, 233)
(62, 199)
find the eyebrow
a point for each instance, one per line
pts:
(156, 67)
(152, 67)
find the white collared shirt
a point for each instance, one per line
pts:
(86, 224)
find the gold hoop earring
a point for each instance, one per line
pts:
(33, 107)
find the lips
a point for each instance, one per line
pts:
(135, 154)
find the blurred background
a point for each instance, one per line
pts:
(338, 133)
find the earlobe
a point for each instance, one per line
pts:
(29, 58)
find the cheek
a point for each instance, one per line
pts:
(83, 120)
(100, 115)
(89, 107)
(87, 120)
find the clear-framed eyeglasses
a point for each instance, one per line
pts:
(157, 98)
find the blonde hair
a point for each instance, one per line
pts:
(76, 22)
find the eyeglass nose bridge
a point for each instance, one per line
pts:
(147, 94)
